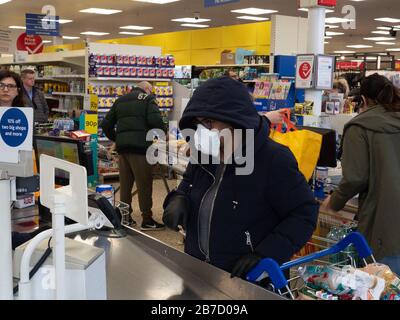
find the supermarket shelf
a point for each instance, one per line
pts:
(62, 76)
(231, 65)
(74, 94)
(103, 139)
(49, 96)
(130, 79)
(249, 81)
(60, 110)
(103, 110)
(109, 175)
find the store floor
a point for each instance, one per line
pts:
(171, 238)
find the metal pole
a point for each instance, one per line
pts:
(59, 243)
(6, 273)
(315, 45)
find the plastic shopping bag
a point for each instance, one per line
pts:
(304, 144)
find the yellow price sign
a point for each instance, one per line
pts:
(91, 123)
(94, 102)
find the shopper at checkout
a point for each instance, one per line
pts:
(371, 169)
(233, 221)
(34, 98)
(127, 123)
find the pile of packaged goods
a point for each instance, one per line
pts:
(127, 66)
(108, 161)
(374, 282)
(50, 87)
(164, 95)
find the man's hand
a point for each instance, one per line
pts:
(245, 264)
(326, 206)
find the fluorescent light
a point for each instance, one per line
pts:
(70, 38)
(136, 28)
(359, 46)
(337, 20)
(326, 42)
(191, 20)
(326, 11)
(393, 49)
(386, 43)
(331, 26)
(93, 33)
(4, 1)
(381, 32)
(61, 21)
(100, 11)
(371, 58)
(252, 18)
(332, 33)
(254, 11)
(47, 41)
(380, 38)
(384, 28)
(157, 1)
(17, 27)
(344, 51)
(132, 33)
(389, 20)
(328, 37)
(194, 25)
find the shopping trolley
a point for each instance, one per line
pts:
(275, 272)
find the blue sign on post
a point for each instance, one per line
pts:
(214, 3)
(14, 127)
(44, 25)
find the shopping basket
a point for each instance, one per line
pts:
(277, 277)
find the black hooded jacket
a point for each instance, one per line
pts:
(271, 212)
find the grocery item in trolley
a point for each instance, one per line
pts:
(106, 191)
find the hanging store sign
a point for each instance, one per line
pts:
(32, 44)
(317, 3)
(214, 3)
(44, 25)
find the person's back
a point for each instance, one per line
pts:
(371, 168)
(128, 122)
(134, 115)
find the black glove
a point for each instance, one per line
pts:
(245, 264)
(176, 211)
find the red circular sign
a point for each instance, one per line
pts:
(305, 70)
(32, 44)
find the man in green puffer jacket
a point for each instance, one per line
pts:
(127, 123)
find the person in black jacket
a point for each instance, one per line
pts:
(233, 221)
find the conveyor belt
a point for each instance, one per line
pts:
(142, 268)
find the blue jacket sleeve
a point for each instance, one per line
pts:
(293, 201)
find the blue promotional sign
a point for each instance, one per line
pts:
(14, 127)
(44, 25)
(214, 3)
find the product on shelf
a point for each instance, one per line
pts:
(131, 66)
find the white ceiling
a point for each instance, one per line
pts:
(159, 16)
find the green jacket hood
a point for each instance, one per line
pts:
(377, 119)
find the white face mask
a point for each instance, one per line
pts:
(207, 141)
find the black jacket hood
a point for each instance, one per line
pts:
(222, 99)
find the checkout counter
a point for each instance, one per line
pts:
(140, 267)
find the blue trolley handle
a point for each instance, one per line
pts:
(275, 272)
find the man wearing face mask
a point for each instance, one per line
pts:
(234, 220)
(127, 123)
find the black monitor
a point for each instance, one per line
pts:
(63, 148)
